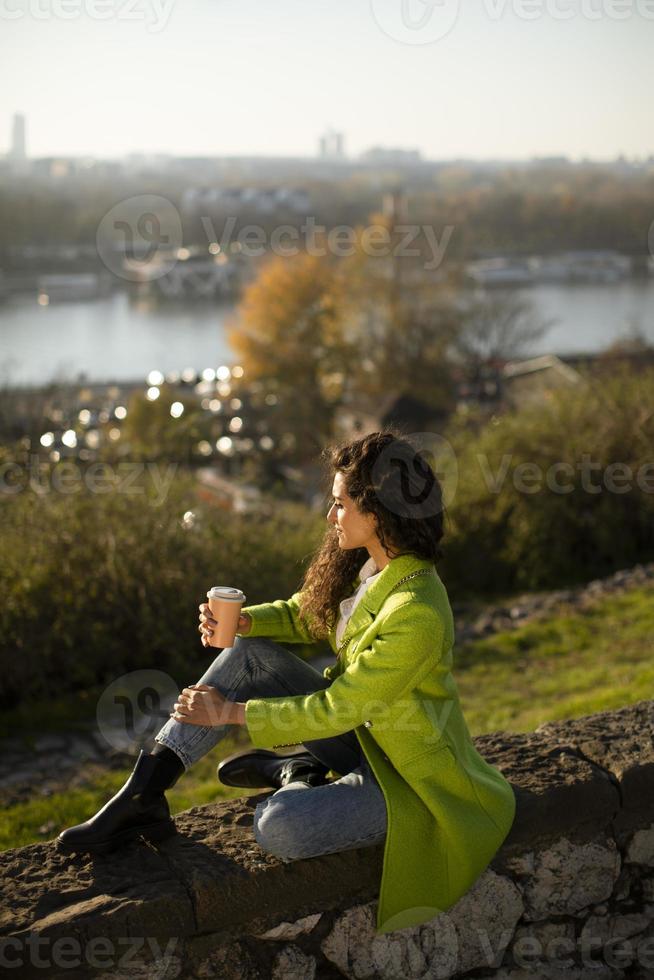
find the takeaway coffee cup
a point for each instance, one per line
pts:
(225, 605)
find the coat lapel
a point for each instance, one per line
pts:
(396, 569)
(374, 596)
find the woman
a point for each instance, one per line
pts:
(385, 718)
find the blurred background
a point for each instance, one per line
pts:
(234, 233)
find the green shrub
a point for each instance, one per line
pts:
(95, 585)
(506, 539)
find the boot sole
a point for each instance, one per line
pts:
(247, 779)
(153, 832)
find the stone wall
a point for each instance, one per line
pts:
(569, 895)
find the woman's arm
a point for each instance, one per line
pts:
(279, 621)
(408, 646)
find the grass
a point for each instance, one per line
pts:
(571, 664)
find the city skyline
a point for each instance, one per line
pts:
(327, 152)
(250, 79)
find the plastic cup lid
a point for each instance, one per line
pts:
(226, 592)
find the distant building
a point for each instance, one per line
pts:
(500, 271)
(147, 164)
(55, 168)
(265, 200)
(15, 160)
(532, 380)
(331, 146)
(392, 156)
(582, 265)
(554, 161)
(227, 493)
(18, 151)
(74, 168)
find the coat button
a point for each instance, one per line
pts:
(367, 724)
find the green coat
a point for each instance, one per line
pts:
(448, 810)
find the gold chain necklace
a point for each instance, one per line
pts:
(420, 571)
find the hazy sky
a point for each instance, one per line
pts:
(490, 78)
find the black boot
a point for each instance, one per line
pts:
(139, 808)
(261, 767)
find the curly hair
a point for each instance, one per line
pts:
(387, 477)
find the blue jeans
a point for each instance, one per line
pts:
(296, 821)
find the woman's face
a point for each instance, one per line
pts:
(354, 529)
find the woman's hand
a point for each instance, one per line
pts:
(208, 624)
(200, 704)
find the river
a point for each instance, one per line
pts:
(119, 339)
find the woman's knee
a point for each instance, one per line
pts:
(256, 648)
(273, 831)
(245, 653)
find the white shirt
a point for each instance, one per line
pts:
(367, 574)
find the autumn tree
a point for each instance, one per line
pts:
(401, 317)
(289, 331)
(325, 329)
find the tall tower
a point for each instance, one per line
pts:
(332, 146)
(18, 150)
